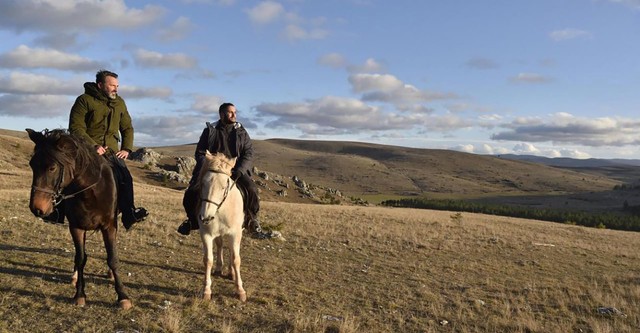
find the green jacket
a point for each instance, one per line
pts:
(101, 120)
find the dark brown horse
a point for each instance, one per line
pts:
(66, 168)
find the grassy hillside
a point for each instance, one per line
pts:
(340, 269)
(362, 169)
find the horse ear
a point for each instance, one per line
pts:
(36, 137)
(207, 153)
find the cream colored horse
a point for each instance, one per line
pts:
(220, 217)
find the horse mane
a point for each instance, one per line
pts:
(69, 150)
(217, 162)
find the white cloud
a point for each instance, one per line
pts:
(526, 148)
(167, 130)
(566, 34)
(294, 32)
(74, 15)
(467, 148)
(146, 58)
(484, 148)
(29, 83)
(574, 153)
(387, 88)
(375, 82)
(207, 105)
(26, 57)
(530, 78)
(370, 66)
(334, 60)
(295, 26)
(442, 123)
(266, 12)
(177, 31)
(34, 106)
(332, 114)
(132, 92)
(565, 128)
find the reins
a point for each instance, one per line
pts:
(224, 197)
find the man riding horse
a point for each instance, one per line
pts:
(229, 137)
(100, 116)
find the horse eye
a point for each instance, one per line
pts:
(52, 168)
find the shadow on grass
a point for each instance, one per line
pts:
(5, 247)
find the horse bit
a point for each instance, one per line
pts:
(56, 196)
(207, 220)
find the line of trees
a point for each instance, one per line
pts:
(618, 221)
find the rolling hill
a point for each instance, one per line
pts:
(376, 172)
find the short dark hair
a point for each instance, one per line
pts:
(224, 107)
(102, 74)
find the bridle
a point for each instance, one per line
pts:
(230, 184)
(56, 194)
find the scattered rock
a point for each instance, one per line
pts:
(185, 165)
(610, 311)
(332, 318)
(146, 155)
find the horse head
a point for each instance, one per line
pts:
(53, 164)
(214, 182)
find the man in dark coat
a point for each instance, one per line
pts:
(229, 137)
(100, 116)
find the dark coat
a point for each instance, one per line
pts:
(239, 144)
(101, 120)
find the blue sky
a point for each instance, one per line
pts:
(556, 78)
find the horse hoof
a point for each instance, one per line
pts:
(242, 297)
(206, 296)
(125, 304)
(217, 273)
(80, 301)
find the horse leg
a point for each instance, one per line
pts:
(235, 259)
(207, 250)
(80, 259)
(219, 259)
(109, 237)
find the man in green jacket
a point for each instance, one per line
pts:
(100, 116)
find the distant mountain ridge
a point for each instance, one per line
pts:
(567, 162)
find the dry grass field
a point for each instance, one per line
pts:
(340, 269)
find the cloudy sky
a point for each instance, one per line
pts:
(556, 78)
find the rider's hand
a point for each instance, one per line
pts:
(123, 154)
(101, 150)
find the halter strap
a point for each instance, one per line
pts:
(224, 197)
(56, 196)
